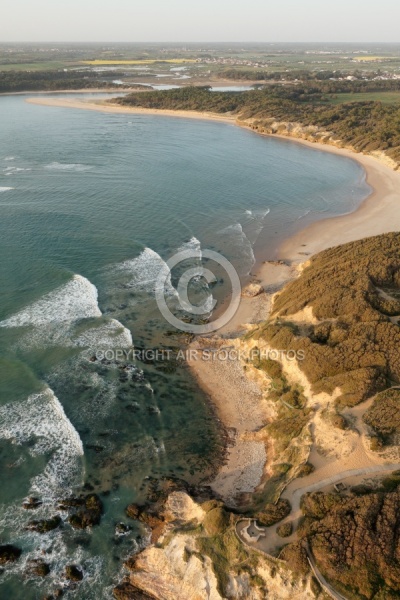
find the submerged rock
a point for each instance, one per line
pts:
(45, 525)
(88, 510)
(133, 511)
(9, 554)
(73, 573)
(56, 594)
(122, 529)
(31, 503)
(38, 567)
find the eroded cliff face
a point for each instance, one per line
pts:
(310, 133)
(199, 557)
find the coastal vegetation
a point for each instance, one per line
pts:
(368, 126)
(354, 345)
(25, 81)
(354, 540)
(356, 80)
(343, 314)
(384, 416)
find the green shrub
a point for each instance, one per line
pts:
(285, 530)
(384, 414)
(273, 513)
(216, 521)
(306, 469)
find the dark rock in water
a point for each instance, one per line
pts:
(122, 529)
(38, 567)
(56, 594)
(131, 563)
(31, 503)
(90, 509)
(134, 407)
(127, 591)
(70, 503)
(133, 511)
(97, 449)
(88, 487)
(93, 502)
(83, 540)
(73, 573)
(9, 554)
(45, 524)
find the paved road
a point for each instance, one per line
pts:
(314, 487)
(326, 586)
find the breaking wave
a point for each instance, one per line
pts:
(107, 335)
(77, 167)
(145, 271)
(41, 421)
(75, 300)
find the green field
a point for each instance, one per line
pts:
(385, 97)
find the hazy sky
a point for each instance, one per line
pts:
(201, 20)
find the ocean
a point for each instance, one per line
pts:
(92, 207)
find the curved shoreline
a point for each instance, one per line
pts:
(238, 402)
(378, 213)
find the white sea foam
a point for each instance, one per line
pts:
(307, 212)
(41, 421)
(193, 245)
(256, 223)
(145, 271)
(75, 300)
(5, 189)
(106, 335)
(9, 158)
(59, 554)
(56, 166)
(10, 170)
(240, 242)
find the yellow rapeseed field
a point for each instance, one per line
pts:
(372, 58)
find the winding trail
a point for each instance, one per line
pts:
(272, 541)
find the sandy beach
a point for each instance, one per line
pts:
(101, 106)
(240, 401)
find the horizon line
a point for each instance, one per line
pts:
(2, 43)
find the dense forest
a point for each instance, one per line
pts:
(365, 126)
(362, 78)
(25, 81)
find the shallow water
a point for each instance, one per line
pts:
(92, 205)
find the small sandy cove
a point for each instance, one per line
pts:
(240, 401)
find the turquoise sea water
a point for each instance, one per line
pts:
(91, 207)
